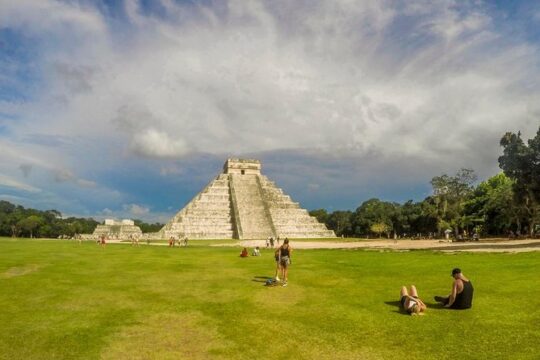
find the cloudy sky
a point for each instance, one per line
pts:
(129, 108)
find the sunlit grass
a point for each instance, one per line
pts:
(62, 300)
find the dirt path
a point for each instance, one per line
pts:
(490, 245)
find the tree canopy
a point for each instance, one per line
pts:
(16, 220)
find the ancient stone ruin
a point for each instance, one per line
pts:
(242, 203)
(117, 229)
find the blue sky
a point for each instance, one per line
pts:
(129, 108)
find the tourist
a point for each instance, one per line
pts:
(462, 292)
(185, 241)
(172, 240)
(411, 303)
(256, 252)
(244, 253)
(277, 241)
(284, 252)
(102, 242)
(267, 242)
(447, 233)
(272, 241)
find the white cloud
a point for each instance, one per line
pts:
(152, 142)
(51, 16)
(436, 83)
(136, 210)
(6, 181)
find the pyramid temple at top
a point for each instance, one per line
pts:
(242, 203)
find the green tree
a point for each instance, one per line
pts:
(380, 228)
(449, 196)
(30, 224)
(375, 211)
(493, 205)
(341, 222)
(147, 228)
(320, 214)
(521, 163)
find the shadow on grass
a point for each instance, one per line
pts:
(397, 305)
(261, 279)
(434, 305)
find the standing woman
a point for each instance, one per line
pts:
(285, 251)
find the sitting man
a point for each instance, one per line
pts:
(256, 252)
(462, 292)
(244, 253)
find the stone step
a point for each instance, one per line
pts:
(298, 228)
(200, 229)
(256, 235)
(320, 234)
(201, 235)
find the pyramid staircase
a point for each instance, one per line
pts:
(241, 203)
(253, 217)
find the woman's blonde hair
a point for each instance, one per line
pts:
(415, 309)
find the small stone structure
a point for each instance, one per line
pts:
(242, 203)
(117, 229)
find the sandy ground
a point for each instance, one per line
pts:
(490, 245)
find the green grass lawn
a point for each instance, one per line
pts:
(61, 300)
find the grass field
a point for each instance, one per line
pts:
(61, 300)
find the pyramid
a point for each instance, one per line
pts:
(241, 203)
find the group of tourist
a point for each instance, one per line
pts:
(271, 240)
(134, 238)
(460, 297)
(102, 240)
(173, 241)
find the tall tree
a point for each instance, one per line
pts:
(375, 211)
(449, 195)
(493, 206)
(341, 222)
(521, 163)
(30, 224)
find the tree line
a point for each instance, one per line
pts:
(507, 204)
(15, 221)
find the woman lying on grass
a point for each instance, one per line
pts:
(411, 303)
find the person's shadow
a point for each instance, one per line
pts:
(262, 279)
(434, 305)
(397, 306)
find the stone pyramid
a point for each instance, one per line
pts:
(242, 203)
